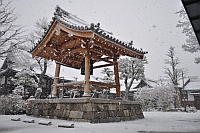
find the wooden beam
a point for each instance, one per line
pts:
(101, 51)
(106, 59)
(77, 50)
(65, 45)
(39, 48)
(99, 88)
(75, 85)
(85, 34)
(109, 45)
(72, 87)
(103, 84)
(68, 53)
(104, 44)
(100, 66)
(70, 83)
(69, 58)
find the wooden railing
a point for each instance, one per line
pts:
(80, 85)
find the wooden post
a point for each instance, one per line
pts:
(118, 93)
(56, 78)
(87, 75)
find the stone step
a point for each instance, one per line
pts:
(66, 125)
(27, 120)
(45, 122)
(15, 119)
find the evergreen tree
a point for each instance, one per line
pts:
(24, 80)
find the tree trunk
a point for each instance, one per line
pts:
(43, 72)
(128, 87)
(127, 93)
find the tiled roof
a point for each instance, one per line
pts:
(75, 23)
(193, 84)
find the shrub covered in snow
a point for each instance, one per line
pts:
(147, 98)
(165, 97)
(160, 97)
(12, 105)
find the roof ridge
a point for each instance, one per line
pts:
(61, 15)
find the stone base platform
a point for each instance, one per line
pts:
(86, 109)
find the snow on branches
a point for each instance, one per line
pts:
(23, 80)
(191, 44)
(10, 34)
(131, 69)
(160, 97)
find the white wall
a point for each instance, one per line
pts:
(190, 97)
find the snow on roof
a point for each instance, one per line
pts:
(151, 82)
(193, 83)
(69, 18)
(123, 88)
(194, 93)
(73, 22)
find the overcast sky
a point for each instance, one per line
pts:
(150, 23)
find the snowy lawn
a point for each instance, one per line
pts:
(154, 122)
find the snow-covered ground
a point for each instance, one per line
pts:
(154, 122)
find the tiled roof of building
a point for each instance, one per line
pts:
(193, 83)
(75, 23)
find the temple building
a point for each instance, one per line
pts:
(72, 42)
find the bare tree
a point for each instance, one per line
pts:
(131, 69)
(10, 33)
(41, 27)
(22, 59)
(173, 72)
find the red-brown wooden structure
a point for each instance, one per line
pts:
(70, 40)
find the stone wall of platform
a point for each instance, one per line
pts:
(86, 109)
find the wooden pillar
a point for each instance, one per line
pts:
(56, 79)
(87, 75)
(116, 72)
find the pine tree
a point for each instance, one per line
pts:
(24, 80)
